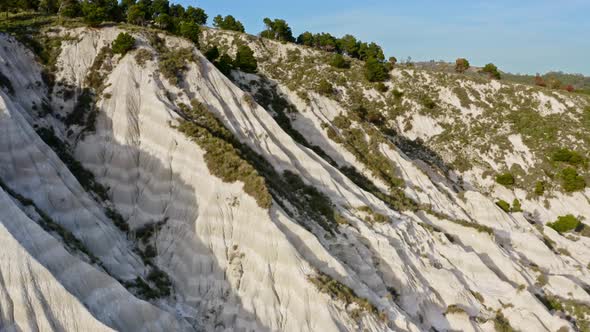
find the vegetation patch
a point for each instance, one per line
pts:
(571, 181)
(222, 159)
(503, 205)
(372, 216)
(505, 179)
(565, 224)
(123, 43)
(338, 291)
(173, 63)
(52, 227)
(501, 323)
(142, 56)
(84, 176)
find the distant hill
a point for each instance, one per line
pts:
(580, 82)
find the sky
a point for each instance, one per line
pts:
(519, 36)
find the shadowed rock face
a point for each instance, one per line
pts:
(122, 225)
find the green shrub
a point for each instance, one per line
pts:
(225, 64)
(325, 88)
(338, 61)
(567, 156)
(539, 188)
(503, 205)
(571, 181)
(190, 30)
(565, 223)
(461, 65)
(123, 43)
(491, 70)
(505, 179)
(516, 207)
(212, 54)
(245, 60)
(375, 71)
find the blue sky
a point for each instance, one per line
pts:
(520, 36)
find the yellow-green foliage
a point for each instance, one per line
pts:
(173, 63)
(222, 159)
(565, 223)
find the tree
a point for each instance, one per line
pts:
(326, 42)
(190, 30)
(306, 39)
(159, 7)
(196, 15)
(245, 59)
(136, 15)
(164, 21)
(338, 61)
(123, 43)
(69, 8)
(125, 5)
(98, 11)
(177, 11)
(371, 50)
(277, 30)
(225, 64)
(228, 23)
(46, 6)
(491, 70)
(569, 88)
(461, 65)
(349, 45)
(392, 60)
(212, 54)
(505, 179)
(375, 70)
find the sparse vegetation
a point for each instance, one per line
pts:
(501, 324)
(142, 56)
(325, 88)
(173, 63)
(341, 292)
(222, 159)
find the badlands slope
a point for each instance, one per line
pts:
(75, 256)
